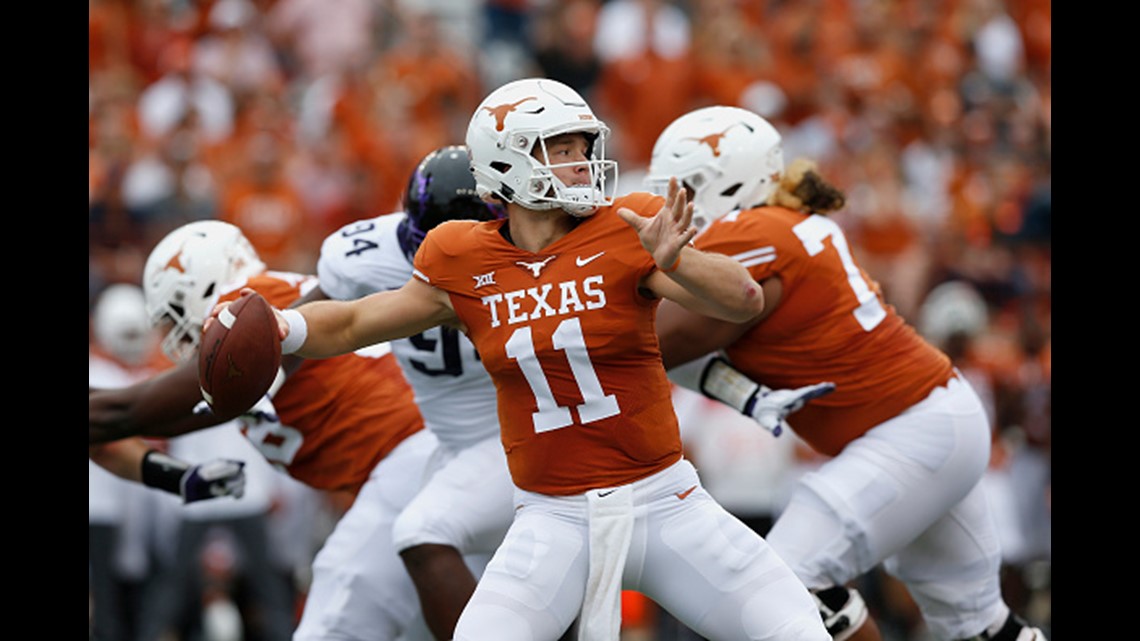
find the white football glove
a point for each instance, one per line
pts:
(716, 378)
(770, 408)
(221, 477)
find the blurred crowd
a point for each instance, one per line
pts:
(290, 118)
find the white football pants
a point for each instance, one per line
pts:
(360, 589)
(467, 503)
(686, 552)
(906, 494)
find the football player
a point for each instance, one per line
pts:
(347, 424)
(451, 516)
(909, 439)
(465, 506)
(559, 300)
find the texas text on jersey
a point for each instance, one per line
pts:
(561, 416)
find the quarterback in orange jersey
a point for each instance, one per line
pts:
(348, 423)
(565, 327)
(560, 299)
(909, 437)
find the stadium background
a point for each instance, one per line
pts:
(293, 117)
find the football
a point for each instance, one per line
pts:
(239, 356)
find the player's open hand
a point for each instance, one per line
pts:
(668, 231)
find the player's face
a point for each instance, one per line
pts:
(563, 149)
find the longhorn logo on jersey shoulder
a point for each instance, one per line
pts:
(499, 112)
(535, 268)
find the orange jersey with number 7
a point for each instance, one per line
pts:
(832, 324)
(571, 346)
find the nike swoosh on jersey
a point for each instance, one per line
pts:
(684, 495)
(582, 262)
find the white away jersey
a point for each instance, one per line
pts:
(455, 395)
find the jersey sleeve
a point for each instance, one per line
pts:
(332, 271)
(644, 203)
(442, 253)
(632, 253)
(427, 259)
(744, 237)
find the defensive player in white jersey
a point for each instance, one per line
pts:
(465, 505)
(559, 300)
(908, 437)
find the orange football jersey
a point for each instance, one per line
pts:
(339, 416)
(832, 324)
(570, 344)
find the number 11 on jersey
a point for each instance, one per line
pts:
(596, 404)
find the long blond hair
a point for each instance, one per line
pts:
(803, 189)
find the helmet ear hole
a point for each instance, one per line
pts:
(540, 186)
(501, 167)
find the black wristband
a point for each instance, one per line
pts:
(163, 472)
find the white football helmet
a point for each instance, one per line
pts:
(120, 324)
(951, 307)
(516, 117)
(729, 157)
(187, 272)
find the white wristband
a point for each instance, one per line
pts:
(726, 384)
(298, 331)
